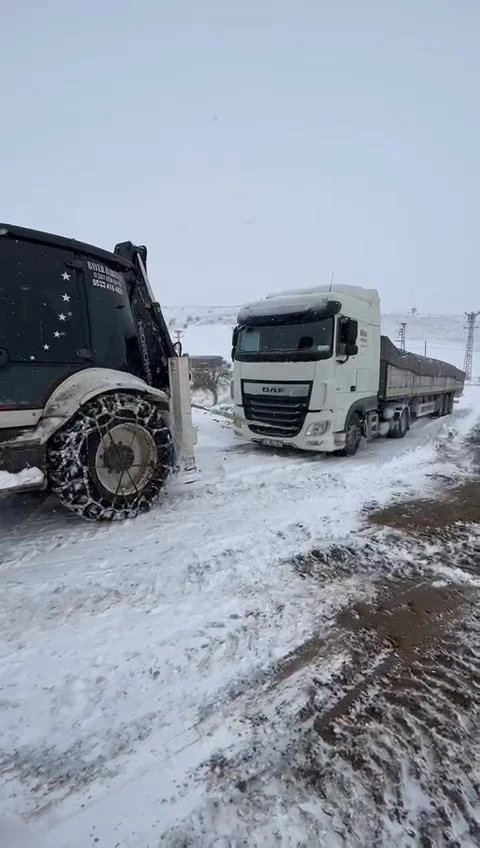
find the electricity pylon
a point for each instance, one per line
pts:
(470, 326)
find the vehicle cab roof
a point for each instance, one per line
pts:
(330, 292)
(316, 302)
(12, 231)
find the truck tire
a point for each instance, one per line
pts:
(353, 435)
(442, 406)
(111, 460)
(449, 404)
(401, 430)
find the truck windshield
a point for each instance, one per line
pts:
(304, 341)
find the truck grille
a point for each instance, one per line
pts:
(276, 415)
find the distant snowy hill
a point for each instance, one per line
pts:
(208, 330)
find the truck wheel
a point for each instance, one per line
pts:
(449, 404)
(112, 458)
(353, 435)
(442, 408)
(401, 428)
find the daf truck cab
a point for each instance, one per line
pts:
(312, 371)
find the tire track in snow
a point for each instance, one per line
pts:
(250, 565)
(393, 728)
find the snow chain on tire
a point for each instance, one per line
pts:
(72, 473)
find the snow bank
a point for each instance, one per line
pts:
(27, 477)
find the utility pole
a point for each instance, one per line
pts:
(470, 327)
(425, 348)
(401, 335)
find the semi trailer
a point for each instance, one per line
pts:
(93, 392)
(312, 371)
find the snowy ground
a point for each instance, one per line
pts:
(230, 669)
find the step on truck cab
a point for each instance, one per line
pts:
(93, 392)
(312, 371)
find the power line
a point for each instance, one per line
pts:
(438, 347)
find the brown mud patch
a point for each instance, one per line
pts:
(456, 505)
(382, 750)
(370, 729)
(407, 721)
(386, 746)
(404, 615)
(308, 653)
(390, 634)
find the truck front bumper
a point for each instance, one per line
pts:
(316, 435)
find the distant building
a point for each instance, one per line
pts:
(205, 362)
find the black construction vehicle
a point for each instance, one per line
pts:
(93, 392)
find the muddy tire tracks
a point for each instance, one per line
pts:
(369, 731)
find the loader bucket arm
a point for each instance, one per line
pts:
(137, 255)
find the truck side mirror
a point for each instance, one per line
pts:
(234, 342)
(347, 345)
(351, 332)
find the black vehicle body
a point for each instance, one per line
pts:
(67, 307)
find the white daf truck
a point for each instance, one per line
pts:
(312, 371)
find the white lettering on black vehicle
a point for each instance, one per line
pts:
(144, 349)
(106, 278)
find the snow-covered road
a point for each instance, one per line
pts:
(132, 654)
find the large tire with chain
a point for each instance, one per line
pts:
(111, 460)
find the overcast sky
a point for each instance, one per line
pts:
(252, 144)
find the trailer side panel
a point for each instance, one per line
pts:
(408, 375)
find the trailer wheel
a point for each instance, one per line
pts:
(353, 435)
(442, 406)
(449, 404)
(401, 428)
(112, 458)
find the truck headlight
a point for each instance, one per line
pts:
(317, 428)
